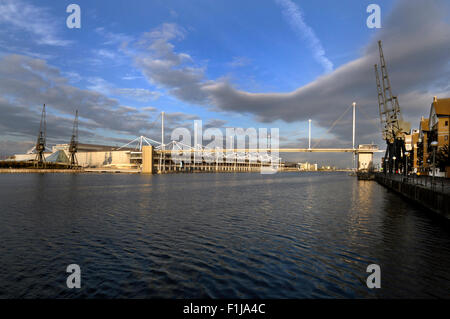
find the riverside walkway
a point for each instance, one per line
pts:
(439, 184)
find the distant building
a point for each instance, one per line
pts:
(414, 162)
(422, 146)
(365, 156)
(28, 156)
(408, 142)
(307, 166)
(89, 155)
(86, 148)
(439, 128)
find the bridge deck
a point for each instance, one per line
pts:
(279, 150)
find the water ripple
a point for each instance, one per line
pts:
(216, 236)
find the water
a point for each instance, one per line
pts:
(244, 235)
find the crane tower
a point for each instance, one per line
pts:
(40, 143)
(73, 147)
(393, 128)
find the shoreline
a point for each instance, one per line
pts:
(131, 171)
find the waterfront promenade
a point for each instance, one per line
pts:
(439, 184)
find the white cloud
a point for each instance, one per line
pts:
(32, 19)
(112, 38)
(131, 77)
(137, 94)
(109, 54)
(294, 16)
(149, 109)
(163, 67)
(239, 61)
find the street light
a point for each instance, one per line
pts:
(406, 163)
(434, 145)
(394, 158)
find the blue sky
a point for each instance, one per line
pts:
(239, 47)
(273, 57)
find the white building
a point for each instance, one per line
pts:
(89, 155)
(307, 166)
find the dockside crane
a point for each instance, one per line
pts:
(393, 128)
(40, 143)
(73, 146)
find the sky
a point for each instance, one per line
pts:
(253, 63)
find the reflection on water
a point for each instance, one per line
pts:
(287, 235)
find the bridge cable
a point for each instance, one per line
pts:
(378, 125)
(153, 123)
(332, 126)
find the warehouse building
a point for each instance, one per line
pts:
(88, 156)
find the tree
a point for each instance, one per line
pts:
(442, 158)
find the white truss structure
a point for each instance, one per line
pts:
(138, 142)
(224, 156)
(200, 152)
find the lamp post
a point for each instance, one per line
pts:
(419, 159)
(406, 163)
(434, 145)
(394, 158)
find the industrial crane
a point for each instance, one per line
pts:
(40, 143)
(393, 128)
(73, 147)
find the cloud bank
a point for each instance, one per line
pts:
(27, 83)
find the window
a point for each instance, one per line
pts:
(446, 123)
(445, 137)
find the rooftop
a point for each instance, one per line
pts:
(441, 106)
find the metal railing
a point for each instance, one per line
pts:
(438, 184)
